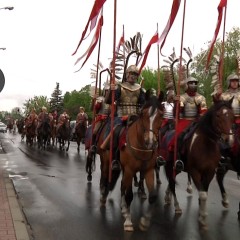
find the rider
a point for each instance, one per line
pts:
(233, 84)
(41, 116)
(129, 98)
(62, 118)
(102, 110)
(82, 117)
(33, 117)
(192, 106)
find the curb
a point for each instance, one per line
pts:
(18, 218)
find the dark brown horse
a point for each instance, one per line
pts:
(63, 134)
(138, 154)
(80, 132)
(30, 128)
(53, 131)
(201, 153)
(233, 154)
(44, 132)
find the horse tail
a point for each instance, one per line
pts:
(90, 163)
(115, 176)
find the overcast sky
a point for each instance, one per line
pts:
(40, 36)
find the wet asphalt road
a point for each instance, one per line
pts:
(60, 204)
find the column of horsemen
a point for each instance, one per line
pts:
(129, 98)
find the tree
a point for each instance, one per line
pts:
(37, 103)
(56, 100)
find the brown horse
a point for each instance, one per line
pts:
(53, 131)
(138, 154)
(30, 127)
(234, 164)
(63, 134)
(80, 132)
(201, 153)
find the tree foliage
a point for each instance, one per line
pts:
(56, 100)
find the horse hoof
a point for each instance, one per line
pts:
(128, 228)
(136, 184)
(159, 182)
(178, 211)
(143, 195)
(189, 190)
(225, 204)
(89, 178)
(144, 224)
(103, 201)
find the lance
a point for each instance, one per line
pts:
(222, 50)
(178, 90)
(158, 76)
(112, 81)
(96, 84)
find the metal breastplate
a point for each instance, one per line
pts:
(236, 101)
(190, 108)
(128, 100)
(168, 112)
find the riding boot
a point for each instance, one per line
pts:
(116, 161)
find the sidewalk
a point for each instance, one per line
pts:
(12, 222)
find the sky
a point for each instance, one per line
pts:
(41, 35)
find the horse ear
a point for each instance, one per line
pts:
(161, 96)
(215, 99)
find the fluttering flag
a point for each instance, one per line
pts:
(97, 7)
(153, 40)
(93, 43)
(222, 4)
(174, 11)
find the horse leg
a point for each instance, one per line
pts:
(68, 143)
(189, 184)
(104, 183)
(136, 184)
(157, 172)
(141, 189)
(126, 199)
(171, 186)
(168, 196)
(146, 219)
(219, 176)
(202, 209)
(89, 164)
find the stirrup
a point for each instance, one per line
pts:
(160, 161)
(179, 165)
(224, 161)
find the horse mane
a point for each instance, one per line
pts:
(205, 121)
(153, 102)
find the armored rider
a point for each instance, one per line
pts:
(129, 98)
(102, 110)
(192, 106)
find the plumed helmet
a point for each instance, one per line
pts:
(232, 76)
(82, 108)
(133, 69)
(44, 108)
(191, 79)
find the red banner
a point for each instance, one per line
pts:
(97, 7)
(153, 40)
(222, 4)
(93, 43)
(174, 11)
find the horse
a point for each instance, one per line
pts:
(44, 132)
(63, 134)
(20, 125)
(80, 132)
(53, 131)
(30, 128)
(10, 125)
(233, 154)
(138, 153)
(201, 153)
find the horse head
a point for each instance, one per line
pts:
(151, 119)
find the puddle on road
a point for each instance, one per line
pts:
(18, 176)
